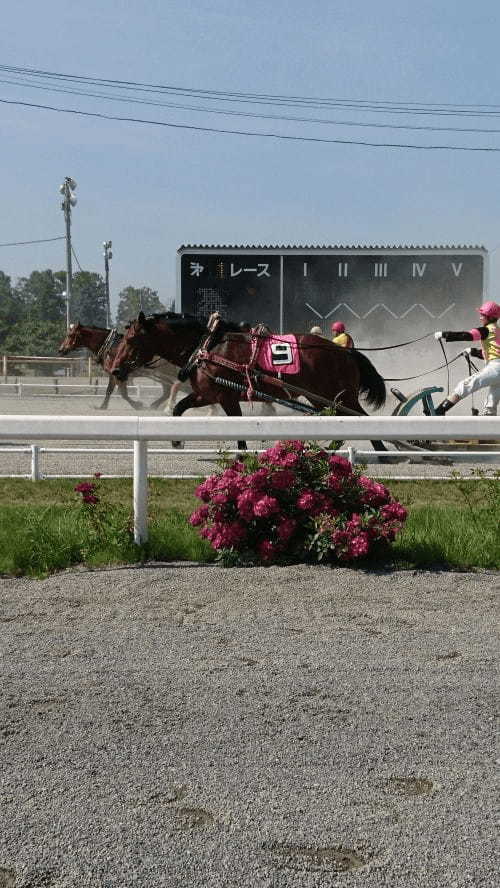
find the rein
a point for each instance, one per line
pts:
(433, 370)
(399, 345)
(111, 339)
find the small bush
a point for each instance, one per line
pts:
(295, 502)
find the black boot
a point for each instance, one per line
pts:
(443, 407)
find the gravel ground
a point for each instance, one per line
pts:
(292, 727)
(174, 463)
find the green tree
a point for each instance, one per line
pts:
(88, 299)
(10, 307)
(132, 300)
(41, 297)
(34, 337)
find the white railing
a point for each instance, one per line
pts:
(55, 388)
(141, 429)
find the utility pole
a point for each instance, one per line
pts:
(107, 256)
(69, 200)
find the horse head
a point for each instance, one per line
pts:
(72, 339)
(135, 349)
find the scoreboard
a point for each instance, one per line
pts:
(383, 294)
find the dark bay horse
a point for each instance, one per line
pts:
(103, 344)
(326, 370)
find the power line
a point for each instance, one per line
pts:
(206, 129)
(76, 258)
(232, 113)
(44, 240)
(384, 106)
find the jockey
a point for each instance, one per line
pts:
(488, 334)
(340, 337)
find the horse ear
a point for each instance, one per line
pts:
(142, 317)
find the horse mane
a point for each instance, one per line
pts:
(186, 320)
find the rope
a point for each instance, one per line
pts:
(447, 365)
(434, 370)
(399, 345)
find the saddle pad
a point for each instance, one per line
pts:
(279, 354)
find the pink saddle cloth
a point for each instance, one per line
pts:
(279, 354)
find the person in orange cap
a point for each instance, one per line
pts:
(488, 334)
(340, 337)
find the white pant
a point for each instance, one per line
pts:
(489, 377)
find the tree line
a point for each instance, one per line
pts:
(33, 310)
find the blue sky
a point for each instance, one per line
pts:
(150, 189)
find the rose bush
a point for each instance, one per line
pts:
(296, 502)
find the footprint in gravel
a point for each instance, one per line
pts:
(7, 878)
(410, 786)
(304, 857)
(194, 818)
(452, 655)
(42, 879)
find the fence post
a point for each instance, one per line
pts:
(5, 369)
(35, 462)
(90, 371)
(140, 491)
(351, 455)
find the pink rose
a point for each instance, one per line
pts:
(339, 465)
(265, 506)
(286, 528)
(306, 500)
(358, 545)
(90, 498)
(283, 479)
(267, 550)
(199, 516)
(395, 511)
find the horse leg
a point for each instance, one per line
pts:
(122, 385)
(377, 445)
(233, 408)
(163, 397)
(109, 391)
(191, 400)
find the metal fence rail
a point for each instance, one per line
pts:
(141, 429)
(355, 456)
(55, 388)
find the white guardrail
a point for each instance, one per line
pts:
(54, 388)
(141, 429)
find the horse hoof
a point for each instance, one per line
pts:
(178, 445)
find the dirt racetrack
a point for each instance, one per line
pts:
(184, 725)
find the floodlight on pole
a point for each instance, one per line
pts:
(69, 200)
(107, 256)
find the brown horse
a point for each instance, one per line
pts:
(326, 370)
(103, 344)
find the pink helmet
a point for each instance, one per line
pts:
(338, 327)
(490, 310)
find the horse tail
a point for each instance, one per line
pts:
(371, 383)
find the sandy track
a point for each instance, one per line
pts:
(283, 727)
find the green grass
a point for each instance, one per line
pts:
(43, 528)
(450, 537)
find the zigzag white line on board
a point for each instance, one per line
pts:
(380, 305)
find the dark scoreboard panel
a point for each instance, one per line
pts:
(242, 288)
(388, 294)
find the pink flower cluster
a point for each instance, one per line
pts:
(88, 491)
(296, 502)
